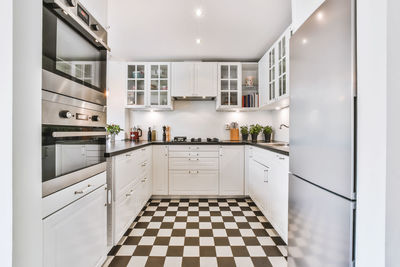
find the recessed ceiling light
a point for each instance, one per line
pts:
(198, 41)
(199, 12)
(305, 41)
(278, 108)
(320, 15)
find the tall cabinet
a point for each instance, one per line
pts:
(148, 85)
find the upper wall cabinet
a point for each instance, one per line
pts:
(302, 10)
(194, 79)
(148, 85)
(274, 72)
(229, 85)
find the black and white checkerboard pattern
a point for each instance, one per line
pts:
(199, 232)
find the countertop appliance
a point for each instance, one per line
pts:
(322, 185)
(73, 95)
(182, 139)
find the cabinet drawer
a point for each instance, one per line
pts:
(193, 148)
(189, 154)
(193, 163)
(63, 197)
(193, 182)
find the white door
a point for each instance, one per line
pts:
(231, 170)
(77, 234)
(206, 79)
(160, 170)
(183, 79)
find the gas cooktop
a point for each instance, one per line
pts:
(183, 139)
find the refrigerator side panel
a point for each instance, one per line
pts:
(320, 227)
(322, 98)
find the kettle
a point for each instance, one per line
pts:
(136, 133)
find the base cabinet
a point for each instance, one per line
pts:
(77, 234)
(160, 170)
(193, 182)
(231, 170)
(268, 187)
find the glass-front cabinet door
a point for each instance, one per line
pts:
(271, 75)
(148, 86)
(160, 85)
(136, 85)
(229, 85)
(282, 66)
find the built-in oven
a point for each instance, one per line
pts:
(74, 51)
(73, 141)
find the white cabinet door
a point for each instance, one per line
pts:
(193, 182)
(77, 234)
(263, 79)
(206, 79)
(258, 184)
(160, 170)
(183, 80)
(229, 86)
(279, 185)
(231, 170)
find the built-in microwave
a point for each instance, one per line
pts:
(74, 52)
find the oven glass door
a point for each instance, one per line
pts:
(66, 149)
(68, 53)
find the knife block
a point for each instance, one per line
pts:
(234, 134)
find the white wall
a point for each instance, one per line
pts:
(301, 10)
(371, 153)
(393, 142)
(6, 135)
(197, 119)
(281, 117)
(27, 181)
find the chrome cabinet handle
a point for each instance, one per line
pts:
(266, 176)
(128, 155)
(193, 159)
(79, 192)
(144, 164)
(193, 172)
(129, 194)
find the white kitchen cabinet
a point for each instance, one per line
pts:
(183, 81)
(194, 79)
(268, 187)
(229, 86)
(231, 170)
(77, 234)
(193, 182)
(263, 85)
(206, 79)
(302, 10)
(148, 85)
(248, 154)
(160, 170)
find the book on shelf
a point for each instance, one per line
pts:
(250, 100)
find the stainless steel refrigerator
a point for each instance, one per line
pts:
(323, 102)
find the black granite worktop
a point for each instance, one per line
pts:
(120, 147)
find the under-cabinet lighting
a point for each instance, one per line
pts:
(198, 41)
(184, 97)
(237, 110)
(65, 12)
(277, 108)
(151, 110)
(96, 40)
(204, 97)
(199, 12)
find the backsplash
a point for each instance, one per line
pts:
(200, 119)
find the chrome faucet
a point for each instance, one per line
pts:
(283, 125)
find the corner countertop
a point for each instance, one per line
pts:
(120, 147)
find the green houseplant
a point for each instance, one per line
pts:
(113, 130)
(255, 131)
(244, 130)
(267, 131)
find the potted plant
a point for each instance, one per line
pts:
(244, 130)
(113, 130)
(255, 131)
(267, 131)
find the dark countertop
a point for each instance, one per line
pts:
(120, 147)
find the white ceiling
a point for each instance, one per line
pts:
(166, 30)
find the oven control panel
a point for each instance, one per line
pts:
(61, 110)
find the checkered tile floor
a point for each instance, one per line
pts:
(199, 232)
